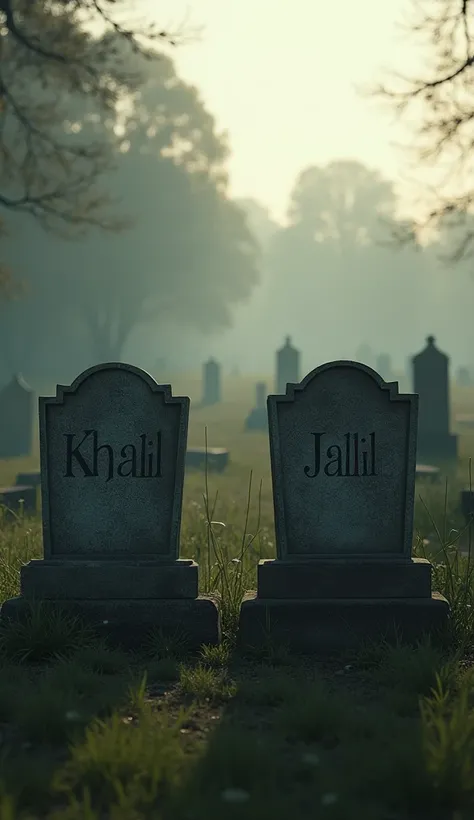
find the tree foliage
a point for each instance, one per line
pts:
(49, 59)
(189, 255)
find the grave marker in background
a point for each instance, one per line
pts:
(16, 419)
(287, 366)
(342, 447)
(211, 374)
(112, 467)
(257, 419)
(431, 382)
(384, 367)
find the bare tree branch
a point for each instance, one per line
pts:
(49, 168)
(442, 103)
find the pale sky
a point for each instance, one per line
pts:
(282, 77)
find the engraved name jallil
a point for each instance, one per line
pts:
(356, 457)
(87, 458)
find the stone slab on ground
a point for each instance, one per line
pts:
(18, 497)
(128, 623)
(344, 579)
(96, 580)
(217, 458)
(427, 472)
(327, 626)
(32, 479)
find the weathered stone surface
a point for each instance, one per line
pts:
(287, 366)
(342, 446)
(343, 452)
(112, 464)
(112, 449)
(128, 622)
(345, 579)
(95, 580)
(326, 626)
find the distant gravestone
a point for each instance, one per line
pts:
(384, 367)
(211, 382)
(342, 447)
(257, 419)
(287, 366)
(210, 458)
(463, 377)
(16, 419)
(365, 355)
(112, 451)
(431, 383)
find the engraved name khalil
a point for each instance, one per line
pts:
(140, 460)
(356, 457)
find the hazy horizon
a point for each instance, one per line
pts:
(284, 80)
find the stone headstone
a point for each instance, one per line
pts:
(16, 419)
(365, 355)
(257, 419)
(431, 383)
(287, 366)
(112, 449)
(463, 377)
(211, 382)
(343, 445)
(384, 367)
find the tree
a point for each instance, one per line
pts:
(331, 276)
(49, 59)
(189, 255)
(443, 102)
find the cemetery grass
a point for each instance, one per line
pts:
(88, 731)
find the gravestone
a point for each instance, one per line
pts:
(342, 447)
(365, 355)
(16, 419)
(112, 449)
(213, 458)
(384, 367)
(211, 374)
(431, 383)
(257, 419)
(467, 504)
(463, 377)
(287, 366)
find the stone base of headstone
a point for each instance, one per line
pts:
(124, 600)
(335, 605)
(257, 419)
(437, 448)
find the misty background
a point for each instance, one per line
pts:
(200, 271)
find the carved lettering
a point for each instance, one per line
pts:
(93, 459)
(355, 458)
